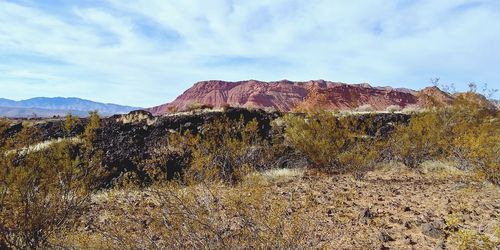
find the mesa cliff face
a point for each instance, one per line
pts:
(287, 95)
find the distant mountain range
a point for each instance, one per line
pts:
(58, 106)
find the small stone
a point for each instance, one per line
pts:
(330, 212)
(440, 245)
(366, 213)
(385, 237)
(384, 247)
(410, 240)
(432, 231)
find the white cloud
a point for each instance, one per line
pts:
(144, 53)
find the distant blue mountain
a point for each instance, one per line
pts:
(48, 107)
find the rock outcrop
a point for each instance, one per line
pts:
(286, 96)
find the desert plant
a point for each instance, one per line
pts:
(224, 149)
(365, 108)
(4, 125)
(89, 134)
(419, 141)
(331, 143)
(69, 123)
(198, 106)
(172, 109)
(203, 216)
(470, 239)
(467, 132)
(393, 108)
(41, 194)
(29, 135)
(412, 108)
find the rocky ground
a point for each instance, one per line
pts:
(398, 208)
(436, 207)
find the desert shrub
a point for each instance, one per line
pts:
(41, 194)
(4, 125)
(223, 150)
(469, 239)
(204, 216)
(28, 135)
(172, 109)
(467, 132)
(89, 134)
(331, 143)
(198, 106)
(393, 108)
(420, 141)
(70, 122)
(365, 108)
(412, 108)
(475, 126)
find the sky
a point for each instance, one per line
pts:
(147, 52)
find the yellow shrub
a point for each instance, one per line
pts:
(89, 134)
(223, 150)
(202, 216)
(41, 193)
(330, 143)
(468, 133)
(69, 123)
(467, 239)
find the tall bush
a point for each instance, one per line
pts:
(331, 143)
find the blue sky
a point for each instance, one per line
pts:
(146, 52)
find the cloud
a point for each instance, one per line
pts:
(145, 53)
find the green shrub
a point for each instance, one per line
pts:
(44, 191)
(223, 150)
(331, 143)
(69, 123)
(41, 194)
(467, 132)
(198, 106)
(89, 134)
(28, 135)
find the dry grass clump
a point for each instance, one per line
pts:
(281, 174)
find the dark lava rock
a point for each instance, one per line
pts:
(385, 237)
(366, 213)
